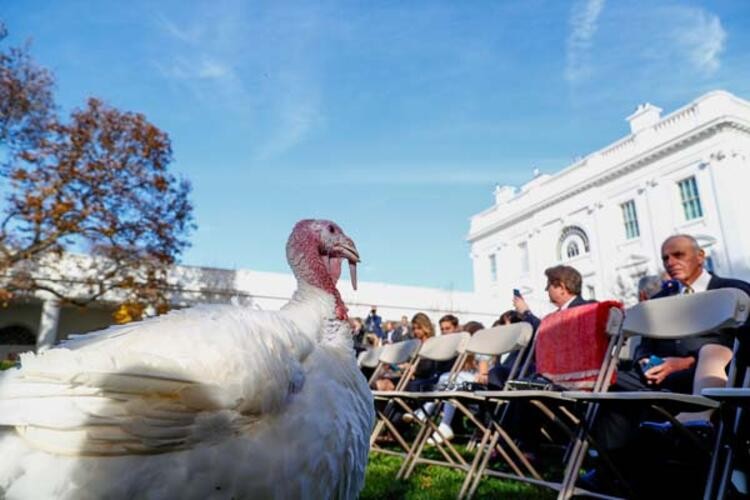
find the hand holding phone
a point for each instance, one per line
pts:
(651, 362)
(518, 302)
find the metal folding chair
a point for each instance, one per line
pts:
(556, 407)
(396, 354)
(442, 348)
(667, 318)
(732, 429)
(492, 342)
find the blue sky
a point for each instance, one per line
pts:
(395, 119)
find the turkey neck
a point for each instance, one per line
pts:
(308, 308)
(307, 265)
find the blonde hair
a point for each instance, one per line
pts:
(424, 322)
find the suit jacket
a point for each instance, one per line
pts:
(690, 346)
(529, 317)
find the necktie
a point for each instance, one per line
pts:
(688, 290)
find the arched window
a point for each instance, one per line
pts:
(572, 250)
(17, 335)
(573, 242)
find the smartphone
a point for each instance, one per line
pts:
(517, 293)
(670, 287)
(651, 362)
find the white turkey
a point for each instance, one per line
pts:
(207, 402)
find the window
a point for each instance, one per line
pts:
(691, 200)
(573, 242)
(630, 217)
(493, 268)
(572, 250)
(524, 250)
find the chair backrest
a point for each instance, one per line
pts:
(396, 354)
(400, 352)
(500, 339)
(369, 358)
(688, 315)
(444, 347)
(574, 347)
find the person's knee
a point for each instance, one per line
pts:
(713, 360)
(710, 370)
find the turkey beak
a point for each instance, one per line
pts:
(353, 274)
(347, 250)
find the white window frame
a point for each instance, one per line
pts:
(690, 200)
(630, 219)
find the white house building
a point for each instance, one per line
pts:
(608, 213)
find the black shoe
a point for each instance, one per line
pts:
(701, 428)
(660, 428)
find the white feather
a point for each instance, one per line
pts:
(208, 402)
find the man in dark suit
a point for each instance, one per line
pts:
(564, 291)
(687, 365)
(707, 355)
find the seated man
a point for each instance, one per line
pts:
(688, 365)
(564, 291)
(684, 365)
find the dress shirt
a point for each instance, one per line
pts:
(699, 285)
(565, 306)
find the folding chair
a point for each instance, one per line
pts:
(442, 348)
(391, 354)
(489, 342)
(731, 434)
(369, 358)
(667, 318)
(599, 325)
(734, 407)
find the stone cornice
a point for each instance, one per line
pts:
(618, 170)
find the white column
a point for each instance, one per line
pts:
(48, 324)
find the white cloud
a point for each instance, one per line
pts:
(203, 69)
(700, 37)
(191, 36)
(583, 23)
(272, 89)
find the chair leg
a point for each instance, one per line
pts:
(720, 451)
(414, 452)
(377, 430)
(480, 447)
(483, 466)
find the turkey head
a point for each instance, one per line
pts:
(315, 250)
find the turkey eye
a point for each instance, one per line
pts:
(331, 229)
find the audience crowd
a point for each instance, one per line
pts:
(684, 366)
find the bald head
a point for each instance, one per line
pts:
(691, 241)
(683, 258)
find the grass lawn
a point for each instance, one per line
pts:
(433, 482)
